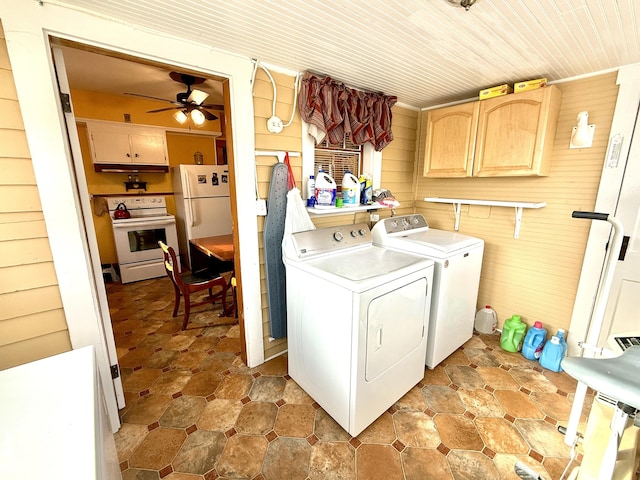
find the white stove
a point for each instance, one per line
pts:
(136, 237)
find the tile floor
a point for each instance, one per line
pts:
(196, 411)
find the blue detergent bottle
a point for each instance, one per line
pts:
(534, 341)
(552, 355)
(561, 336)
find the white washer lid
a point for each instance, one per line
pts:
(437, 243)
(362, 269)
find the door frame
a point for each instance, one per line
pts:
(27, 27)
(624, 119)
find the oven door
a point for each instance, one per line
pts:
(137, 238)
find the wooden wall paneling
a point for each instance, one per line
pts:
(32, 320)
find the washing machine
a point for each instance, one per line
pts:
(458, 261)
(357, 320)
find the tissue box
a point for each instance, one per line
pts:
(529, 85)
(496, 91)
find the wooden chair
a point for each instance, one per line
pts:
(186, 284)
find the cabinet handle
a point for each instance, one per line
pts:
(128, 155)
(136, 155)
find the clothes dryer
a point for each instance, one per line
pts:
(358, 317)
(456, 280)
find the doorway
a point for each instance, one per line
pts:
(104, 88)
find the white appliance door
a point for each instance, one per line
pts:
(207, 217)
(199, 181)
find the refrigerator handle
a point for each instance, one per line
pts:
(187, 197)
(192, 215)
(187, 185)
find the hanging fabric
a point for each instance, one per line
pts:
(291, 181)
(333, 110)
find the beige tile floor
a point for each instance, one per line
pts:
(196, 411)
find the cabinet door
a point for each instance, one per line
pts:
(110, 146)
(148, 148)
(450, 140)
(516, 132)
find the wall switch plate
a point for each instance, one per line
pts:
(261, 207)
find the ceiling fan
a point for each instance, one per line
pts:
(188, 104)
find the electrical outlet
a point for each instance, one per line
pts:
(374, 217)
(261, 207)
(274, 125)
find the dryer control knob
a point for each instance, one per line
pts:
(354, 233)
(362, 232)
(337, 236)
(415, 220)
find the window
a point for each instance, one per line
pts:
(336, 160)
(370, 160)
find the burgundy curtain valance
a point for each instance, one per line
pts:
(333, 110)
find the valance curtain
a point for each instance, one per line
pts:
(333, 110)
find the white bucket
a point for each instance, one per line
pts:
(350, 189)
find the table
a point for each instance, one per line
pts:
(213, 256)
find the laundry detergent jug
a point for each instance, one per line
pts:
(552, 355)
(325, 190)
(486, 320)
(512, 334)
(534, 341)
(350, 190)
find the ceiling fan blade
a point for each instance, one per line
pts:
(212, 106)
(197, 96)
(163, 109)
(207, 114)
(150, 97)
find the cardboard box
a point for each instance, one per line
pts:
(529, 85)
(495, 91)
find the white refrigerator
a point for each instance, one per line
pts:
(202, 203)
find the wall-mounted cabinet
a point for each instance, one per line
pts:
(127, 145)
(503, 136)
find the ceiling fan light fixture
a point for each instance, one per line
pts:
(466, 4)
(197, 97)
(198, 117)
(180, 116)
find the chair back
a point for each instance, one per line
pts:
(170, 263)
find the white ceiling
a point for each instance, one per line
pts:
(426, 52)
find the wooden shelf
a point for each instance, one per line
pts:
(457, 202)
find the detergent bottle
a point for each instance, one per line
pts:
(350, 189)
(561, 336)
(486, 320)
(552, 355)
(534, 341)
(325, 190)
(512, 334)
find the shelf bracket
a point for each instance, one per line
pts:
(456, 212)
(516, 232)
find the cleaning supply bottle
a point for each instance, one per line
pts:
(350, 189)
(552, 355)
(311, 191)
(534, 341)
(325, 190)
(561, 336)
(512, 334)
(486, 320)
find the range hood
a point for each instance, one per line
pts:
(129, 168)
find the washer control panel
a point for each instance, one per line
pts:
(404, 223)
(331, 239)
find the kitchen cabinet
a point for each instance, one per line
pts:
(126, 144)
(450, 140)
(510, 135)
